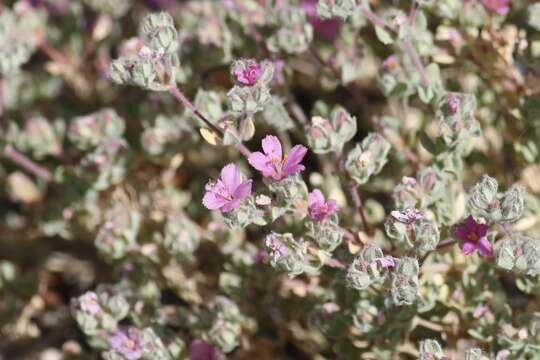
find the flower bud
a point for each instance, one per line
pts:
(159, 32)
(512, 204)
(405, 282)
(368, 158)
(286, 253)
(331, 135)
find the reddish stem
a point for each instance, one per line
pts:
(27, 164)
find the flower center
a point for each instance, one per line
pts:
(130, 344)
(472, 237)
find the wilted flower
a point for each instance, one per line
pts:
(202, 350)
(499, 6)
(128, 343)
(386, 262)
(88, 302)
(277, 248)
(474, 236)
(407, 216)
(272, 163)
(319, 209)
(249, 74)
(228, 191)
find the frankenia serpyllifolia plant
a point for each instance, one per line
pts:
(345, 179)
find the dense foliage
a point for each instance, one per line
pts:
(270, 179)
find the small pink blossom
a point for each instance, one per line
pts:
(227, 192)
(319, 209)
(248, 75)
(480, 311)
(272, 163)
(474, 236)
(407, 216)
(129, 344)
(88, 302)
(453, 103)
(277, 248)
(327, 29)
(498, 6)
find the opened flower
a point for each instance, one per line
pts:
(248, 74)
(227, 192)
(319, 209)
(129, 344)
(272, 163)
(474, 236)
(498, 6)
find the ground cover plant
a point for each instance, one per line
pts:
(270, 179)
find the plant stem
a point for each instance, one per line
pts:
(415, 58)
(442, 244)
(179, 95)
(410, 50)
(28, 164)
(359, 206)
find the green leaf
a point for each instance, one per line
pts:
(383, 35)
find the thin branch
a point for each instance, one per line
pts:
(359, 206)
(179, 95)
(28, 164)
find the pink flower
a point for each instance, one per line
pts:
(227, 192)
(129, 344)
(201, 350)
(499, 6)
(272, 163)
(453, 103)
(327, 29)
(248, 75)
(474, 236)
(89, 303)
(319, 209)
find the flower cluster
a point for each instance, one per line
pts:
(270, 179)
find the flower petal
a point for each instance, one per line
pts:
(470, 223)
(292, 165)
(230, 175)
(212, 201)
(468, 248)
(243, 190)
(272, 147)
(259, 161)
(484, 247)
(230, 205)
(315, 198)
(481, 230)
(461, 232)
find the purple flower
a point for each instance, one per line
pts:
(498, 6)
(272, 163)
(474, 236)
(89, 303)
(201, 350)
(327, 29)
(129, 343)
(227, 192)
(319, 209)
(248, 75)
